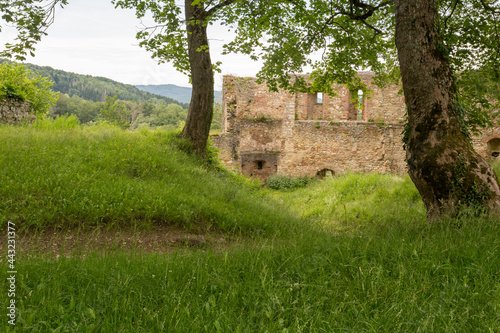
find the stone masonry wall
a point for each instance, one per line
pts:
(300, 134)
(14, 112)
(343, 146)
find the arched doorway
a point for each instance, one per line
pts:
(324, 173)
(493, 149)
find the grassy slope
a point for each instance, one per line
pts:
(386, 271)
(104, 176)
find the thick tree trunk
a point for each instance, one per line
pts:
(442, 163)
(200, 112)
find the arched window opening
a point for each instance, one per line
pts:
(360, 105)
(356, 105)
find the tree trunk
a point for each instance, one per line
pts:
(442, 163)
(200, 112)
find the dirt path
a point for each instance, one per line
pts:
(160, 239)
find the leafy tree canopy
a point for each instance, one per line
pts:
(31, 19)
(167, 38)
(337, 38)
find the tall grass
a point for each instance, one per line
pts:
(354, 201)
(425, 279)
(58, 174)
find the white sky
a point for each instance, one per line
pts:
(92, 37)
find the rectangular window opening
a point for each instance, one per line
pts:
(260, 165)
(319, 98)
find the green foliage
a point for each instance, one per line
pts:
(217, 117)
(479, 100)
(294, 30)
(168, 117)
(117, 112)
(8, 90)
(30, 19)
(284, 182)
(86, 111)
(23, 84)
(126, 114)
(358, 201)
(356, 35)
(70, 122)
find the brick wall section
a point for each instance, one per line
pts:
(14, 112)
(277, 132)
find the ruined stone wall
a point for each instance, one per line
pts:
(245, 99)
(385, 105)
(342, 147)
(253, 100)
(14, 111)
(309, 146)
(266, 133)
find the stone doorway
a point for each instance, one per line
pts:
(493, 149)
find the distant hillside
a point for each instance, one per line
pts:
(96, 88)
(182, 94)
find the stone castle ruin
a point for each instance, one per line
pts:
(313, 134)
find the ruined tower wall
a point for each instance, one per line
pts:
(379, 104)
(245, 99)
(382, 104)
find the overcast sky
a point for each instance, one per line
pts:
(92, 37)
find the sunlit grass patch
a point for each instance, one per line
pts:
(356, 200)
(73, 176)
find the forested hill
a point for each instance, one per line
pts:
(95, 88)
(182, 94)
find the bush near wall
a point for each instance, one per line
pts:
(283, 182)
(23, 85)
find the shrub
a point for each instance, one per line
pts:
(20, 83)
(281, 182)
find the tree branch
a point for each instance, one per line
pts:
(488, 7)
(354, 15)
(451, 14)
(222, 4)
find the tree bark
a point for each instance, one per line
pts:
(200, 111)
(442, 163)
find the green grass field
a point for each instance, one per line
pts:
(352, 253)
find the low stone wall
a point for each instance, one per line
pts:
(342, 147)
(15, 112)
(307, 147)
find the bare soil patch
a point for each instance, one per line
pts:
(159, 239)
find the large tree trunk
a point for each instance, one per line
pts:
(200, 112)
(442, 163)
